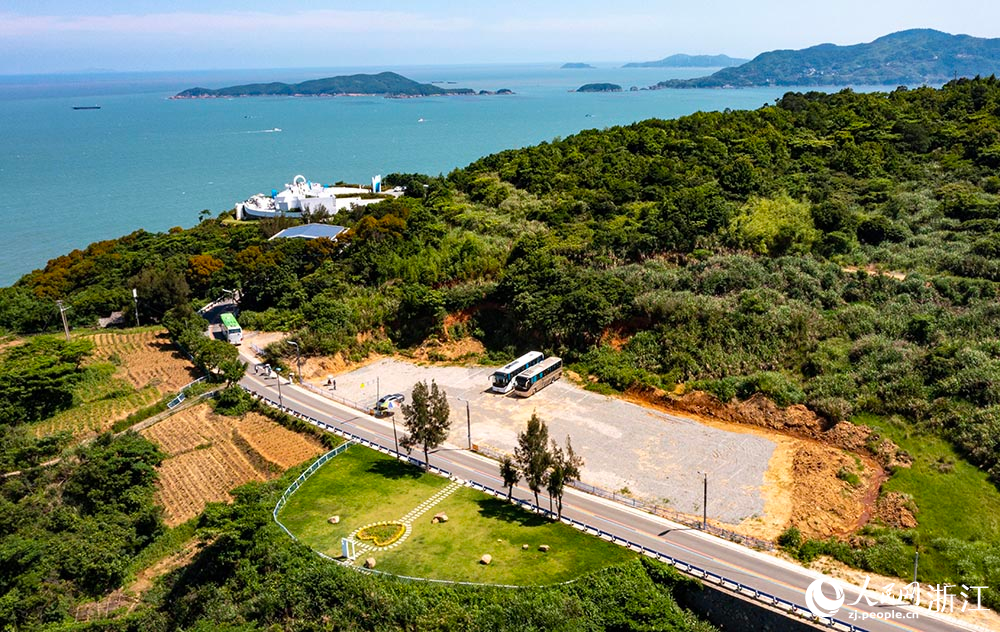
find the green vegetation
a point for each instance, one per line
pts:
(71, 530)
(385, 83)
(600, 87)
(913, 57)
(363, 487)
(37, 378)
(837, 251)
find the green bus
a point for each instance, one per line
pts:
(234, 333)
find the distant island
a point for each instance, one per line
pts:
(912, 57)
(600, 87)
(690, 61)
(387, 84)
(575, 65)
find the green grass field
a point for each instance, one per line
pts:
(955, 499)
(363, 486)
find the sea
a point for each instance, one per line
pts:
(143, 161)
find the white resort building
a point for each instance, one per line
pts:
(302, 195)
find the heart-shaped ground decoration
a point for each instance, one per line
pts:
(382, 534)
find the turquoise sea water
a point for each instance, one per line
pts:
(68, 178)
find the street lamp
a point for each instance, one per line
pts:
(468, 419)
(277, 371)
(298, 356)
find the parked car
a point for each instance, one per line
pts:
(387, 404)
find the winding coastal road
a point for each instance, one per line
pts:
(753, 569)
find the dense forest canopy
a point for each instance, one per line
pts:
(839, 251)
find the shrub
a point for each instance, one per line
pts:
(790, 538)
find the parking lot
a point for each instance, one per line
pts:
(653, 455)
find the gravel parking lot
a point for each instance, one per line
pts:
(654, 455)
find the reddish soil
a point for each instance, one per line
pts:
(805, 483)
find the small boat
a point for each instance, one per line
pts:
(86, 107)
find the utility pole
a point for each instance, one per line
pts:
(704, 504)
(62, 312)
(298, 356)
(395, 439)
(468, 420)
(277, 371)
(378, 392)
(916, 560)
(135, 299)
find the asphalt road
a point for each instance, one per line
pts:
(736, 563)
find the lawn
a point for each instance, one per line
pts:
(363, 486)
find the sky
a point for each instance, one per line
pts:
(43, 36)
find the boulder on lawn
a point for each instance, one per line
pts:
(544, 548)
(370, 562)
(334, 519)
(440, 517)
(486, 559)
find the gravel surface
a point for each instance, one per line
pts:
(654, 455)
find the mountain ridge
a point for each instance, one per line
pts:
(381, 84)
(910, 57)
(681, 60)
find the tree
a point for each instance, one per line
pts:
(160, 288)
(510, 475)
(232, 370)
(532, 454)
(426, 418)
(211, 354)
(565, 469)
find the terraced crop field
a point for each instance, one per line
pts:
(128, 370)
(275, 443)
(210, 454)
(97, 416)
(147, 358)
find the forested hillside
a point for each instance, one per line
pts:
(839, 251)
(909, 58)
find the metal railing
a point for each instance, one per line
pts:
(337, 398)
(720, 581)
(651, 508)
(182, 395)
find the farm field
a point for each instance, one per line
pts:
(127, 371)
(363, 486)
(147, 357)
(210, 454)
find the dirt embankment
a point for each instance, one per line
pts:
(823, 478)
(795, 420)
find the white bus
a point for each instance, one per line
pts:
(503, 378)
(234, 333)
(538, 377)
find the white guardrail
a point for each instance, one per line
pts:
(182, 395)
(718, 580)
